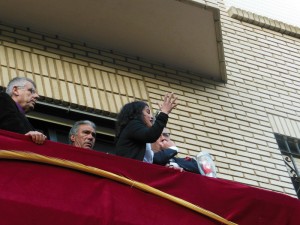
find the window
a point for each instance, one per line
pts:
(290, 150)
(56, 122)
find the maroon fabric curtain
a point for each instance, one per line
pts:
(35, 193)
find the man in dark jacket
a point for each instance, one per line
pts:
(165, 151)
(19, 99)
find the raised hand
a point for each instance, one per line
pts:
(169, 103)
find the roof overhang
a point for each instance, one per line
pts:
(182, 34)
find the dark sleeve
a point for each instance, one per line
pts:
(138, 131)
(188, 164)
(10, 117)
(163, 157)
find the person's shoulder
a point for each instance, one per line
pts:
(134, 122)
(5, 97)
(3, 94)
(134, 125)
(7, 103)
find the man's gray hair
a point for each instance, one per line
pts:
(18, 81)
(76, 125)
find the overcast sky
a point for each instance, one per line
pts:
(287, 11)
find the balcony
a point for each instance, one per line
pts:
(184, 35)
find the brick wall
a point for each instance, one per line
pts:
(263, 67)
(231, 121)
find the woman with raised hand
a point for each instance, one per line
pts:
(135, 127)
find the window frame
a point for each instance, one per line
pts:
(289, 158)
(51, 118)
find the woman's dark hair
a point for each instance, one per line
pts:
(129, 111)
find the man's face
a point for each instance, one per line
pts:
(165, 135)
(162, 142)
(26, 96)
(85, 137)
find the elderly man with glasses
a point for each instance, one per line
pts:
(19, 99)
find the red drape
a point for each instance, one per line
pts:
(36, 193)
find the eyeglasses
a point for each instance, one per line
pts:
(166, 135)
(31, 90)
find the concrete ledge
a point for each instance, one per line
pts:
(264, 22)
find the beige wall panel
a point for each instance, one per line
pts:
(106, 81)
(104, 100)
(290, 128)
(143, 89)
(97, 101)
(72, 82)
(125, 100)
(3, 60)
(296, 128)
(19, 60)
(114, 83)
(136, 89)
(128, 86)
(83, 75)
(64, 91)
(75, 73)
(47, 87)
(42, 60)
(13, 73)
(88, 97)
(60, 70)
(27, 62)
(72, 92)
(119, 102)
(102, 68)
(91, 77)
(99, 80)
(121, 85)
(285, 126)
(111, 102)
(80, 95)
(136, 75)
(56, 89)
(16, 46)
(10, 57)
(30, 76)
(131, 99)
(51, 68)
(40, 87)
(5, 78)
(68, 72)
(35, 63)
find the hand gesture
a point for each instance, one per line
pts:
(37, 137)
(168, 103)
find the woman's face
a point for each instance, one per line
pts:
(147, 116)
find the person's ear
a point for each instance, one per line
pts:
(72, 138)
(15, 91)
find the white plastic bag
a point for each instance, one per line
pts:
(206, 165)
